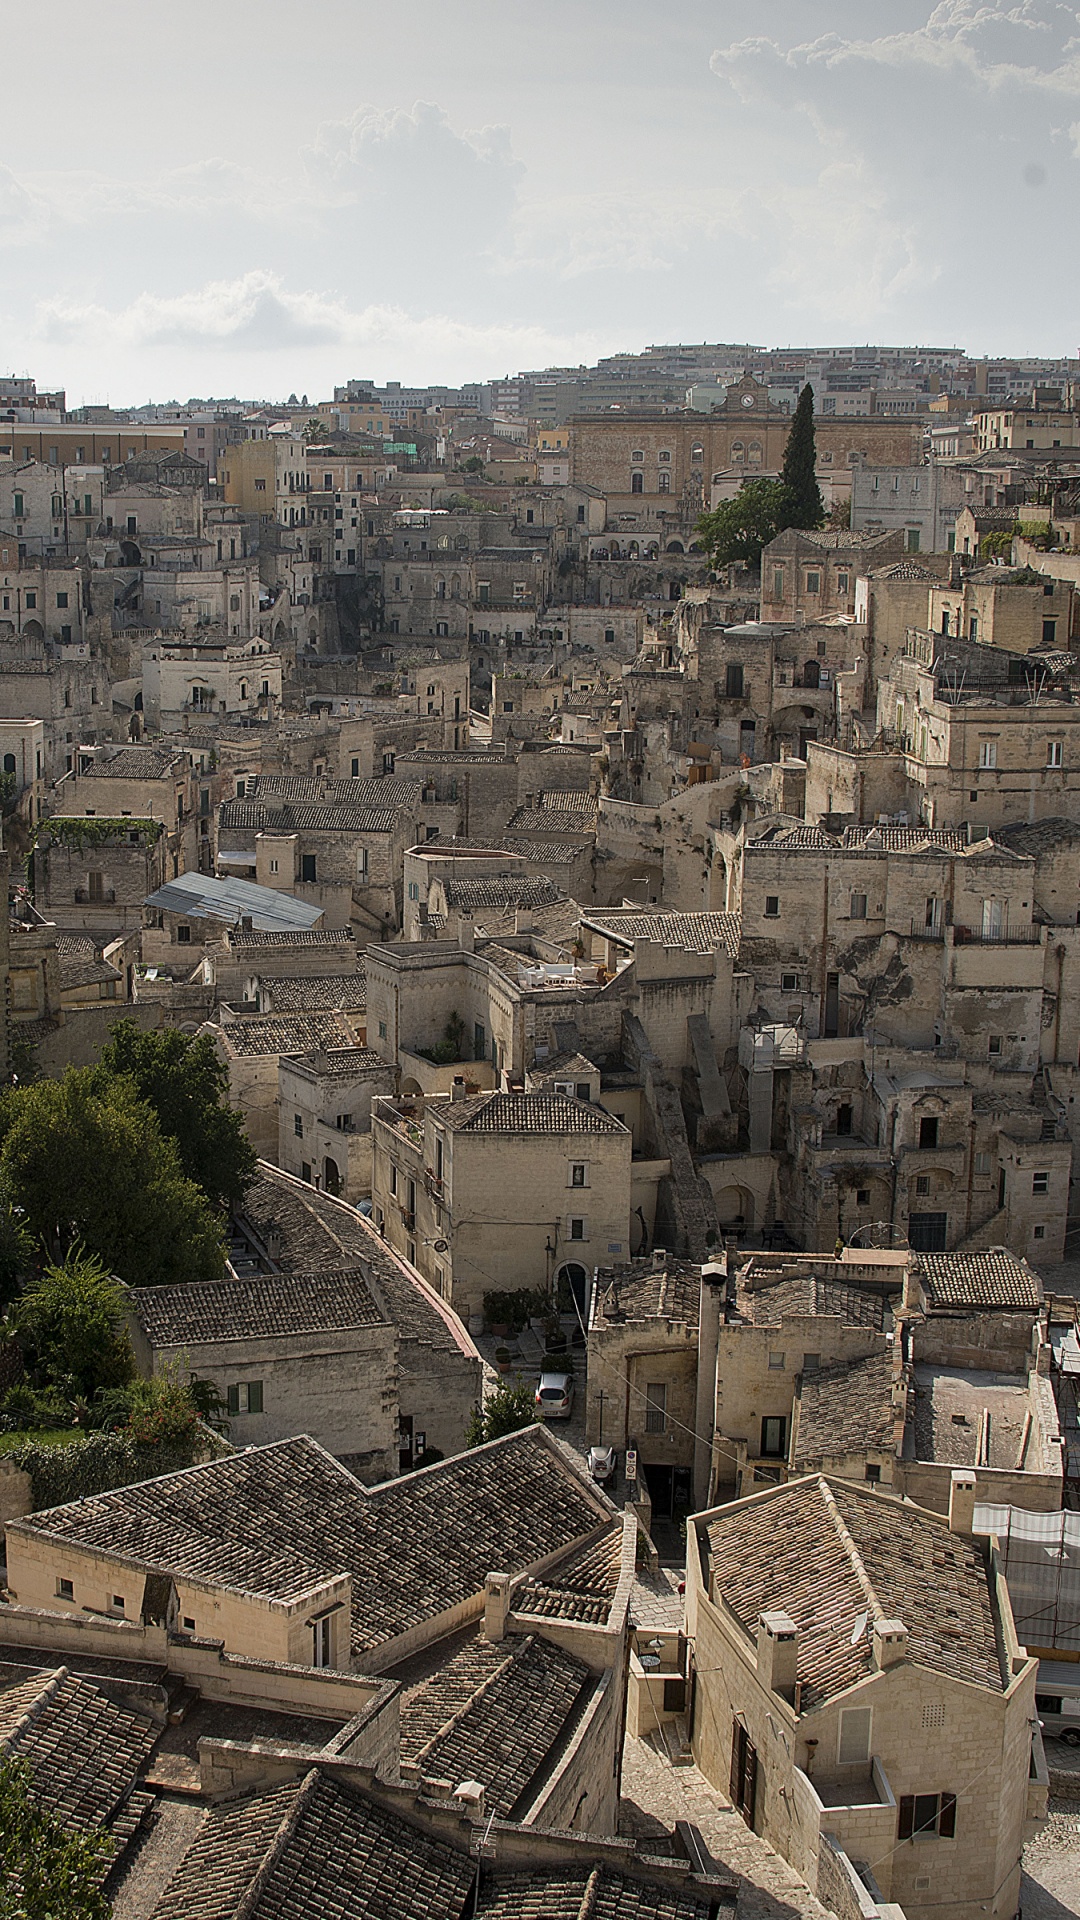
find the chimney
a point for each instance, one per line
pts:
(467, 937)
(778, 1653)
(890, 1643)
(470, 1798)
(457, 1087)
(523, 920)
(496, 1605)
(962, 1501)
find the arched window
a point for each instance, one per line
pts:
(697, 453)
(755, 453)
(636, 482)
(663, 483)
(738, 453)
(9, 763)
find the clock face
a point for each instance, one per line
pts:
(748, 400)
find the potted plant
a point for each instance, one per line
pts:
(503, 1359)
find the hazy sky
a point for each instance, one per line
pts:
(243, 196)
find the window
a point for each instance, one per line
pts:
(65, 1589)
(789, 983)
(579, 1174)
(1053, 753)
(813, 583)
(1040, 1182)
(636, 482)
(307, 867)
(479, 1042)
(638, 455)
(656, 1407)
(862, 1196)
(320, 1641)
(697, 453)
(772, 906)
(926, 1816)
(298, 1125)
(577, 1228)
(183, 935)
(853, 1747)
(778, 583)
(988, 753)
(858, 906)
(776, 1362)
(928, 1133)
(773, 1437)
(1049, 638)
(994, 1043)
(382, 1029)
(810, 1361)
(188, 1623)
(583, 1090)
(663, 483)
(9, 763)
(973, 627)
(246, 1396)
(922, 1185)
(982, 1165)
(118, 1602)
(733, 685)
(61, 599)
(841, 583)
(31, 599)
(1038, 1233)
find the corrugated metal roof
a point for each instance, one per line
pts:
(201, 896)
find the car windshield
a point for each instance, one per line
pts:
(553, 1393)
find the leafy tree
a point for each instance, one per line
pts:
(473, 464)
(85, 1160)
(738, 529)
(838, 518)
(47, 1872)
(186, 1084)
(73, 1319)
(16, 1249)
(315, 430)
(798, 477)
(506, 1410)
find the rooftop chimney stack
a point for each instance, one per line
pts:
(778, 1653)
(496, 1605)
(962, 1501)
(890, 1643)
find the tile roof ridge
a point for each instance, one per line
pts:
(247, 1907)
(45, 1696)
(857, 1565)
(483, 1687)
(587, 1909)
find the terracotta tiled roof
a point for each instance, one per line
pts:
(992, 1279)
(259, 1308)
(582, 1589)
(830, 1554)
(637, 1292)
(135, 763)
(693, 932)
(295, 1033)
(328, 993)
(520, 890)
(845, 1409)
(517, 1113)
(497, 1711)
(280, 1519)
(84, 1751)
(596, 1895)
(250, 939)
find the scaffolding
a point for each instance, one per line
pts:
(1040, 1559)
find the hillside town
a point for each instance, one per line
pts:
(539, 1131)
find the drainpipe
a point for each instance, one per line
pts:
(1060, 952)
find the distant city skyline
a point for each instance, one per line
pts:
(223, 200)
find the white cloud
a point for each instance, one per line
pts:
(294, 338)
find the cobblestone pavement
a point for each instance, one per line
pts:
(656, 1794)
(1050, 1888)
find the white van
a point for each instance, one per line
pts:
(1057, 1700)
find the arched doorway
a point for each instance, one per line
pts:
(572, 1285)
(811, 674)
(331, 1176)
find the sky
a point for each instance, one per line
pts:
(246, 197)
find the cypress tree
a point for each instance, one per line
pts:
(799, 476)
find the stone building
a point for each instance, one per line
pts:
(96, 872)
(324, 1116)
(501, 1191)
(811, 576)
(821, 1667)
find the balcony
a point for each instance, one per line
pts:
(104, 898)
(1006, 936)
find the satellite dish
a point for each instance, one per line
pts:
(859, 1629)
(441, 1246)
